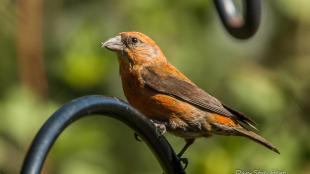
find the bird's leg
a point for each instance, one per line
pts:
(188, 143)
(185, 160)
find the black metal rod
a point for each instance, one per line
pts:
(241, 26)
(105, 106)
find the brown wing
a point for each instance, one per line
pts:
(169, 83)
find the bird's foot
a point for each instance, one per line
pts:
(160, 127)
(184, 162)
(137, 137)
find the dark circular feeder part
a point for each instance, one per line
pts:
(240, 25)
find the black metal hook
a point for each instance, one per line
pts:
(241, 26)
(101, 105)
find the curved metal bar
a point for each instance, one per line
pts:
(241, 26)
(101, 105)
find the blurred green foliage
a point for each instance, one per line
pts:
(266, 77)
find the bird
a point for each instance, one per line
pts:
(171, 100)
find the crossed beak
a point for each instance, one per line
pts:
(113, 44)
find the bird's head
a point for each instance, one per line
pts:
(135, 48)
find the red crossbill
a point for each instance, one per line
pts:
(171, 100)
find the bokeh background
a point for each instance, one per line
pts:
(50, 54)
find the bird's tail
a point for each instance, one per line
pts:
(257, 138)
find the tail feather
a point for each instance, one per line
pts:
(257, 138)
(242, 118)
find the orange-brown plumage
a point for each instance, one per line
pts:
(165, 95)
(223, 120)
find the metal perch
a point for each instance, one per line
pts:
(104, 106)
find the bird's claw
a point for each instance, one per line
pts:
(184, 162)
(137, 137)
(160, 127)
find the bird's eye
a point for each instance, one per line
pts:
(134, 40)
